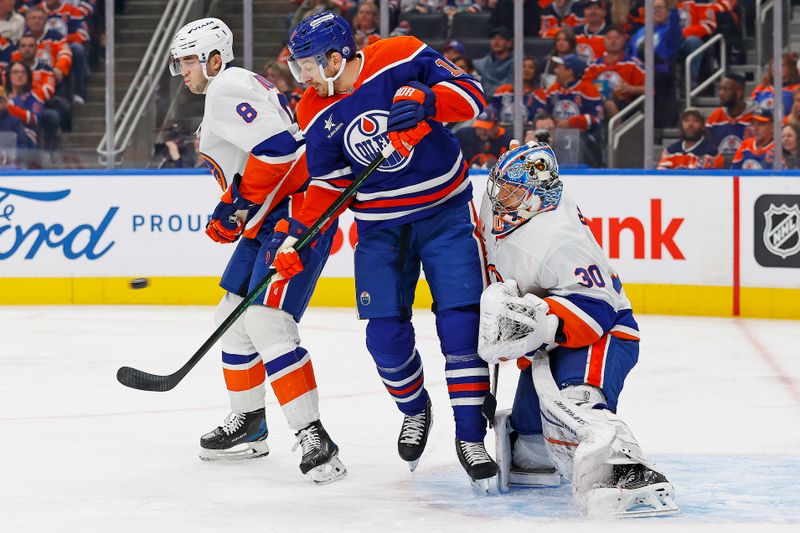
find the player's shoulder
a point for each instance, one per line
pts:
(309, 106)
(588, 89)
(503, 89)
(390, 51)
(235, 82)
(716, 114)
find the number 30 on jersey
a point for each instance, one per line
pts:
(591, 276)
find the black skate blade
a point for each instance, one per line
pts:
(489, 408)
(137, 379)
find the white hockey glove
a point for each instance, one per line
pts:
(513, 326)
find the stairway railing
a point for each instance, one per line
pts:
(145, 81)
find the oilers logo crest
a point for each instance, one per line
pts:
(752, 164)
(366, 136)
(585, 53)
(729, 145)
(611, 77)
(566, 109)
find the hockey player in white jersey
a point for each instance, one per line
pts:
(558, 302)
(255, 151)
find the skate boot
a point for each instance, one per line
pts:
(241, 436)
(637, 490)
(476, 461)
(320, 454)
(414, 436)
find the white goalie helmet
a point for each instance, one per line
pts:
(200, 38)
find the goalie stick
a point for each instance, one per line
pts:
(138, 379)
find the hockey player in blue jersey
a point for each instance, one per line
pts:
(413, 212)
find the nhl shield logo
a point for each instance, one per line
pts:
(782, 230)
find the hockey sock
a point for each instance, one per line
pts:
(467, 384)
(244, 377)
(241, 362)
(467, 374)
(292, 378)
(391, 343)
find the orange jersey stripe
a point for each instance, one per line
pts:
(467, 387)
(400, 392)
(561, 442)
(578, 332)
(397, 202)
(294, 384)
(242, 380)
(623, 336)
(597, 354)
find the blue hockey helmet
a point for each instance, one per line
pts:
(523, 183)
(316, 36)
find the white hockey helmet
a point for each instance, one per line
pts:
(200, 38)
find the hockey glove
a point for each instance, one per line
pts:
(512, 326)
(281, 253)
(404, 141)
(412, 104)
(231, 214)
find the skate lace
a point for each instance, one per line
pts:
(308, 439)
(474, 452)
(232, 423)
(413, 429)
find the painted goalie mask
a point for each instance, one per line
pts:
(522, 184)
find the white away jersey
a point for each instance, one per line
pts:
(555, 256)
(248, 129)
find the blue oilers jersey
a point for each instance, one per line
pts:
(346, 132)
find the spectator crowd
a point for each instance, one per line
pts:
(593, 70)
(45, 51)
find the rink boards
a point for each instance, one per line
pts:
(705, 243)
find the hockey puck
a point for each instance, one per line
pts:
(139, 283)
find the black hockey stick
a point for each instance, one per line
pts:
(138, 379)
(489, 406)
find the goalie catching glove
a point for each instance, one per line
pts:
(512, 326)
(231, 214)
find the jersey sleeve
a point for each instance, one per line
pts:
(578, 288)
(253, 121)
(330, 175)
(459, 96)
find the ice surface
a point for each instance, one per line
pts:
(714, 402)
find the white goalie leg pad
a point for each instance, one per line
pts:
(524, 463)
(236, 341)
(587, 443)
(274, 333)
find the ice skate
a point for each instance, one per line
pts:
(414, 436)
(320, 454)
(638, 491)
(477, 463)
(241, 436)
